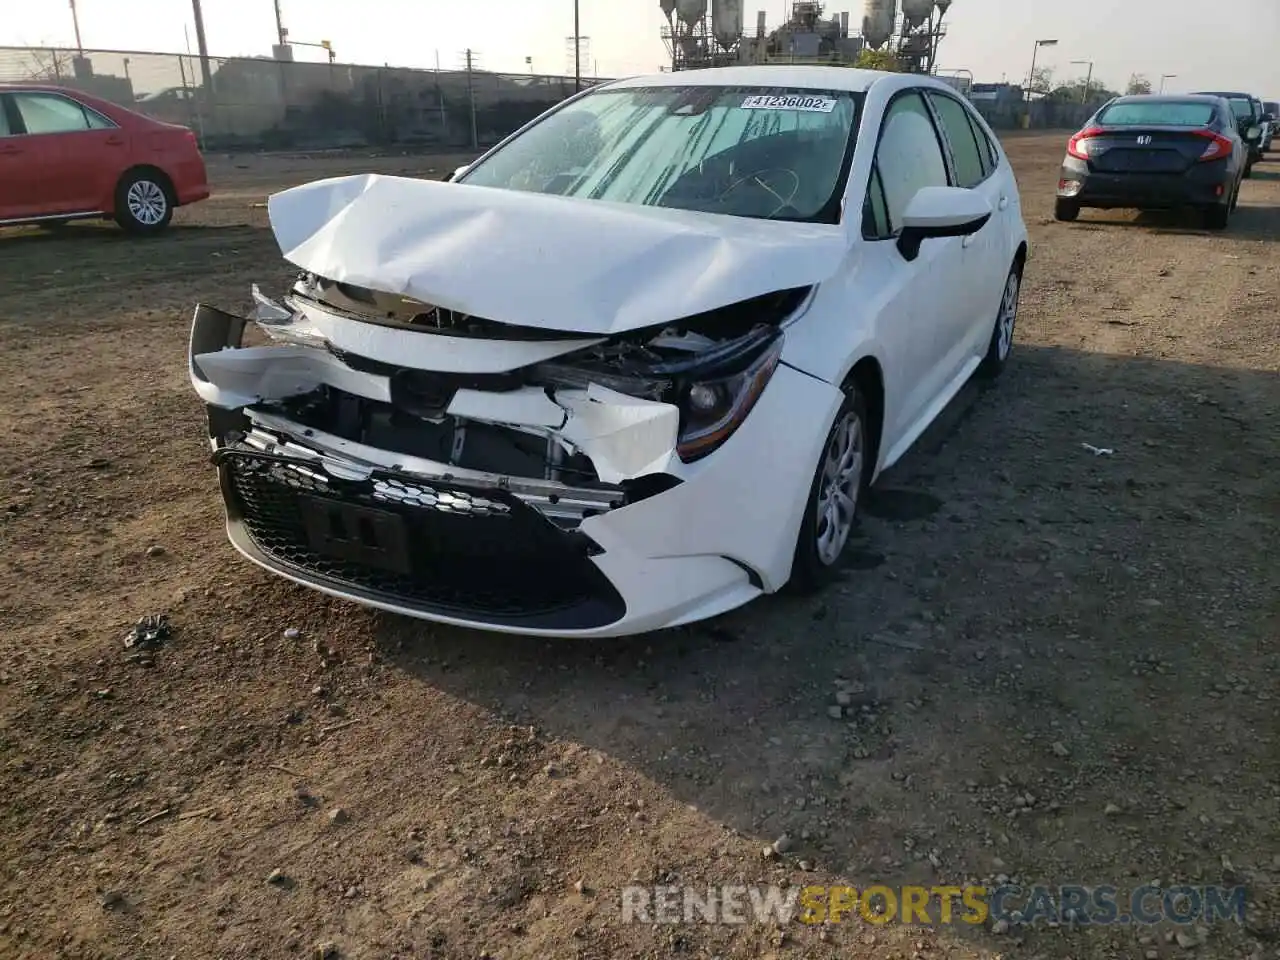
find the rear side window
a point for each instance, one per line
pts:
(1160, 113)
(4, 120)
(50, 113)
(965, 151)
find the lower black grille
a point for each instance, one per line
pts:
(430, 546)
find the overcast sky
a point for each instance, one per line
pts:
(1228, 44)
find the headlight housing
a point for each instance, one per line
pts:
(713, 404)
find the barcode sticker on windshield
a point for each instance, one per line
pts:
(810, 104)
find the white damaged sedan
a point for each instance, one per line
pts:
(634, 367)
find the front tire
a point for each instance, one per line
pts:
(1248, 170)
(144, 204)
(834, 497)
(1065, 210)
(1001, 344)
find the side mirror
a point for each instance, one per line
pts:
(1253, 133)
(1268, 118)
(457, 173)
(936, 212)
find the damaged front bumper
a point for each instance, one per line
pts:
(565, 512)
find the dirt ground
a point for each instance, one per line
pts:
(1063, 667)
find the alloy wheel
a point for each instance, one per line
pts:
(147, 202)
(1008, 317)
(839, 488)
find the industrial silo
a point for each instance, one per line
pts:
(691, 12)
(726, 22)
(668, 8)
(916, 12)
(877, 22)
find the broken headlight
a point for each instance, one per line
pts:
(716, 394)
(284, 325)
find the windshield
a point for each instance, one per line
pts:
(1159, 113)
(760, 152)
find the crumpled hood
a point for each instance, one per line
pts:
(533, 260)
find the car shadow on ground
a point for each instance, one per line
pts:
(98, 232)
(1254, 223)
(910, 724)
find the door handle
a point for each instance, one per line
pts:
(10, 148)
(1004, 202)
(114, 140)
(967, 241)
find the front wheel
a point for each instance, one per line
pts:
(834, 497)
(143, 204)
(1248, 171)
(1001, 344)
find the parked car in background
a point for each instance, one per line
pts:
(1155, 152)
(1271, 114)
(1248, 114)
(780, 276)
(65, 155)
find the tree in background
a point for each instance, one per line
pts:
(1042, 81)
(1076, 92)
(869, 59)
(1138, 84)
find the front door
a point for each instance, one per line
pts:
(925, 306)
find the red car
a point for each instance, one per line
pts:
(65, 155)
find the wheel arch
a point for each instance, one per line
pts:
(1020, 256)
(151, 170)
(867, 377)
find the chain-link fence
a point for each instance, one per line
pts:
(250, 103)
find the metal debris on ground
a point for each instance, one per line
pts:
(1098, 451)
(148, 633)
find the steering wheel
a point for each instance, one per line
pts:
(770, 180)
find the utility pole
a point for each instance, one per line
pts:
(206, 75)
(577, 48)
(471, 98)
(75, 22)
(1088, 80)
(281, 32)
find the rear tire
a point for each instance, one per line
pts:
(144, 202)
(1001, 345)
(1065, 210)
(1217, 216)
(840, 480)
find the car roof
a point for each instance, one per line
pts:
(1168, 98)
(1222, 93)
(802, 77)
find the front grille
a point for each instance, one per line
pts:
(430, 546)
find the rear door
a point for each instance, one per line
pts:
(983, 252)
(82, 152)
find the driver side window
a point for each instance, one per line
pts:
(908, 158)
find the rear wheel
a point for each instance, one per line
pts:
(143, 203)
(834, 496)
(1065, 210)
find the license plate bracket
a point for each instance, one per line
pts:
(357, 534)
